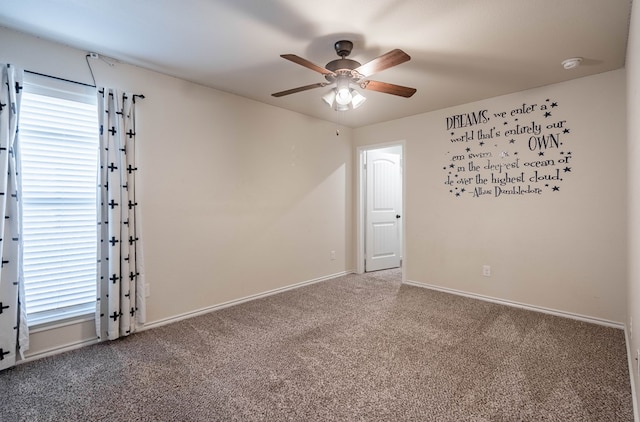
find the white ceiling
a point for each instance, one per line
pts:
(461, 50)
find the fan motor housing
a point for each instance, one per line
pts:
(341, 67)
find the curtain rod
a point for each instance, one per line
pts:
(60, 79)
(74, 82)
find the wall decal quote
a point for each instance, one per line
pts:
(521, 151)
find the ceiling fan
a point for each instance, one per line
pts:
(346, 73)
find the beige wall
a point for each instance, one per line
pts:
(633, 121)
(237, 197)
(563, 250)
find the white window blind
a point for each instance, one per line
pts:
(58, 136)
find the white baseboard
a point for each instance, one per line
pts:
(632, 368)
(206, 310)
(535, 308)
(58, 349)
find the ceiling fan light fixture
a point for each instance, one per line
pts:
(357, 99)
(329, 97)
(343, 93)
(343, 97)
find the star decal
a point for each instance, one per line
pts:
(512, 141)
(451, 166)
(566, 130)
(567, 169)
(468, 149)
(541, 153)
(554, 104)
(462, 190)
(481, 143)
(555, 189)
(547, 114)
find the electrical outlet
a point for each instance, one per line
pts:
(93, 55)
(486, 270)
(332, 255)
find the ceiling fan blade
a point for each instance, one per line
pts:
(306, 63)
(300, 89)
(402, 91)
(387, 60)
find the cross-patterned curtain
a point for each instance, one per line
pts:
(121, 299)
(14, 335)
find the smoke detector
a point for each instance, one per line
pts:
(572, 63)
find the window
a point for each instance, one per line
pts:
(59, 159)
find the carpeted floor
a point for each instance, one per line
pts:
(356, 348)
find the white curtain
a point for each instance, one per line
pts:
(14, 335)
(121, 299)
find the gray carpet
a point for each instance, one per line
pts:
(356, 348)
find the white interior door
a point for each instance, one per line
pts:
(383, 210)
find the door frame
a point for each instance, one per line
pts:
(360, 203)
